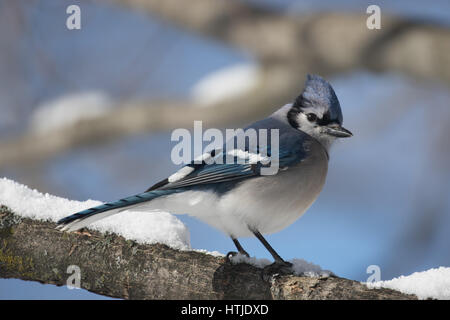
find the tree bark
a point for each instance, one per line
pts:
(113, 266)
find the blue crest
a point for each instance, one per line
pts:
(320, 96)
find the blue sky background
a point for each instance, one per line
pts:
(374, 191)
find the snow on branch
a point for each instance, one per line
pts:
(117, 258)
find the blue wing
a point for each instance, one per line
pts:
(230, 169)
(292, 150)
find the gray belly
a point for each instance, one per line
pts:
(271, 203)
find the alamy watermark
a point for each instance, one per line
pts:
(74, 280)
(73, 22)
(374, 20)
(375, 273)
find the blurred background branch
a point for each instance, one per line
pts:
(286, 48)
(88, 113)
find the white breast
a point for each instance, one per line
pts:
(267, 203)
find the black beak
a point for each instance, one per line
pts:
(337, 131)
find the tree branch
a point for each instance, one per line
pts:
(274, 90)
(115, 267)
(318, 42)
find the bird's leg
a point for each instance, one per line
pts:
(279, 266)
(239, 248)
(274, 254)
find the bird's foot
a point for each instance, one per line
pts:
(276, 269)
(232, 254)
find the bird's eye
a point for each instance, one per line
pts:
(311, 117)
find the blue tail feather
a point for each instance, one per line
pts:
(122, 203)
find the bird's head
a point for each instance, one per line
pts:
(317, 112)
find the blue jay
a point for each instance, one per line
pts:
(235, 197)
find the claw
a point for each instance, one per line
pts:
(230, 255)
(277, 268)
